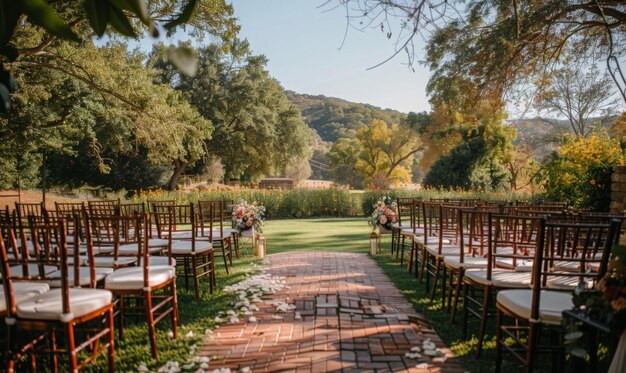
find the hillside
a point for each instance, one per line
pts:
(333, 118)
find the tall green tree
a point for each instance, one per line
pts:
(76, 21)
(257, 130)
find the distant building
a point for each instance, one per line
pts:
(276, 183)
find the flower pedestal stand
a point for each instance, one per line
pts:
(250, 236)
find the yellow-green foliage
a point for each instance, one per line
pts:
(580, 172)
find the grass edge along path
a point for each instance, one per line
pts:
(194, 320)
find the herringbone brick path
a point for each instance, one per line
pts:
(348, 317)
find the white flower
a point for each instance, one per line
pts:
(189, 334)
(252, 319)
(142, 368)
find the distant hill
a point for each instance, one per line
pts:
(333, 118)
(545, 136)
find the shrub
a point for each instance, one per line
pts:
(580, 172)
(294, 203)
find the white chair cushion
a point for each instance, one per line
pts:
(49, 305)
(110, 262)
(454, 262)
(131, 278)
(33, 270)
(500, 278)
(84, 276)
(97, 250)
(568, 282)
(158, 261)
(158, 242)
(182, 235)
(184, 247)
(23, 290)
(131, 248)
(446, 249)
(551, 304)
(521, 265)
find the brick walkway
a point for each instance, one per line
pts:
(352, 319)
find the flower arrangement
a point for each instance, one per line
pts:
(384, 214)
(247, 215)
(605, 304)
(613, 288)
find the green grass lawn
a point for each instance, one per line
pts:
(317, 234)
(194, 317)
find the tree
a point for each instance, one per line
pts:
(477, 162)
(343, 157)
(580, 172)
(387, 151)
(257, 130)
(298, 170)
(65, 20)
(58, 113)
(578, 96)
(498, 46)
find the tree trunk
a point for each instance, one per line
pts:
(179, 167)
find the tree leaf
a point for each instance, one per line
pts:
(98, 15)
(42, 14)
(184, 59)
(184, 16)
(119, 21)
(136, 6)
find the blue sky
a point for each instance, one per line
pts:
(302, 44)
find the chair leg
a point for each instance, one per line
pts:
(196, 286)
(186, 270)
(111, 349)
(498, 341)
(465, 310)
(212, 258)
(230, 251)
(444, 272)
(150, 317)
(423, 265)
(483, 320)
(175, 312)
(435, 279)
(224, 256)
(411, 256)
(531, 352)
(53, 348)
(457, 292)
(120, 327)
(236, 244)
(71, 347)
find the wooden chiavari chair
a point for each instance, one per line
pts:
(145, 289)
(62, 310)
(511, 247)
(192, 251)
(103, 206)
(213, 224)
(540, 308)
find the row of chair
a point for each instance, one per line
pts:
(67, 272)
(527, 259)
